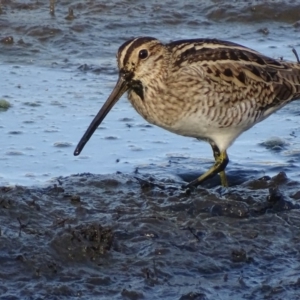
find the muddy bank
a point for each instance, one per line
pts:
(57, 71)
(100, 237)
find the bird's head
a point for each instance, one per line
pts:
(140, 60)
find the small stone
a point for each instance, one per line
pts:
(75, 198)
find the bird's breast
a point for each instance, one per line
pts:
(155, 106)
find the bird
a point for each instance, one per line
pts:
(209, 89)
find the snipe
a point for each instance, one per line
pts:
(203, 88)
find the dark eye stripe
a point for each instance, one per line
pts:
(137, 43)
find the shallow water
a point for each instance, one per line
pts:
(48, 117)
(58, 72)
(154, 244)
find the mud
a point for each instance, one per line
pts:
(97, 237)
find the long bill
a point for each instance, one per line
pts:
(120, 88)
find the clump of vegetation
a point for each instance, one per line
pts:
(4, 105)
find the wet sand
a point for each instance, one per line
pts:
(122, 235)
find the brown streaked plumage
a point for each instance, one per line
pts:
(204, 88)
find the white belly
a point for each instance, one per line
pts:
(222, 137)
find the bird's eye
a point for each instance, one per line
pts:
(143, 54)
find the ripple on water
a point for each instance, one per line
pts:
(144, 125)
(125, 119)
(63, 144)
(275, 144)
(14, 153)
(15, 132)
(294, 155)
(30, 175)
(57, 103)
(159, 142)
(249, 12)
(110, 137)
(135, 148)
(83, 157)
(44, 33)
(32, 104)
(51, 130)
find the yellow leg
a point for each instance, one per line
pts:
(222, 174)
(223, 178)
(221, 161)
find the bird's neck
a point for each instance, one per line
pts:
(148, 99)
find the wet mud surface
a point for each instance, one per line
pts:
(134, 233)
(109, 237)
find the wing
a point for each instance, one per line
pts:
(242, 72)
